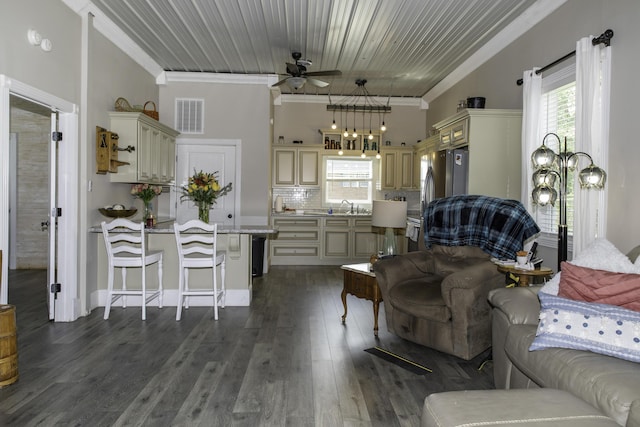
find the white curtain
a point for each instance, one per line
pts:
(593, 65)
(531, 138)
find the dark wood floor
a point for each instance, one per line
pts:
(286, 360)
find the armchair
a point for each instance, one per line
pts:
(438, 298)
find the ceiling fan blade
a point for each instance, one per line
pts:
(324, 73)
(293, 69)
(281, 82)
(316, 82)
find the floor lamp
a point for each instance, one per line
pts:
(550, 166)
(389, 214)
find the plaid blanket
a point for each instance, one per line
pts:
(500, 227)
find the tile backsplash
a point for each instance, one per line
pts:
(311, 198)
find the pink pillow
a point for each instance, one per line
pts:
(604, 287)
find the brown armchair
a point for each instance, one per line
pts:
(438, 298)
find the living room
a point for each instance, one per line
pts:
(89, 71)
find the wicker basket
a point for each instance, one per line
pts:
(123, 105)
(151, 113)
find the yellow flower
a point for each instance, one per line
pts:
(216, 186)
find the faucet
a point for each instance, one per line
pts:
(349, 203)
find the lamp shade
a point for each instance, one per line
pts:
(389, 213)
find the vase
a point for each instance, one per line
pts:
(147, 214)
(203, 211)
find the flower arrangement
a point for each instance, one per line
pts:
(203, 188)
(145, 192)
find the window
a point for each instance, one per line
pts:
(558, 108)
(348, 179)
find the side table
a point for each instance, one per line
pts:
(526, 275)
(361, 282)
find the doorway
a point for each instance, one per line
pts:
(61, 254)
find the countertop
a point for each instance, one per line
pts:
(318, 213)
(167, 228)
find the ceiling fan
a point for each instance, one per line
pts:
(298, 75)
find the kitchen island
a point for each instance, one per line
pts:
(235, 239)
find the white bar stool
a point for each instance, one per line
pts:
(126, 248)
(198, 248)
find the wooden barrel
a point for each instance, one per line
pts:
(8, 345)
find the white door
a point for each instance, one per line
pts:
(220, 159)
(52, 272)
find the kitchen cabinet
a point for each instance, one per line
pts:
(297, 167)
(297, 241)
(493, 138)
(397, 168)
(153, 156)
(349, 239)
(455, 134)
(323, 240)
(424, 154)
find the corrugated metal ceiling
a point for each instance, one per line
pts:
(402, 47)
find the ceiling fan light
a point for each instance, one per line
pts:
(296, 82)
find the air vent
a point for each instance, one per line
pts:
(189, 115)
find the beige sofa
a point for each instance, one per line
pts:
(608, 384)
(438, 298)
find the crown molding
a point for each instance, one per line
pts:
(166, 77)
(107, 28)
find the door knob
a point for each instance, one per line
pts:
(229, 216)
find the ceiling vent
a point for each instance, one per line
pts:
(189, 115)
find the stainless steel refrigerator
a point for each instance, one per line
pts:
(444, 173)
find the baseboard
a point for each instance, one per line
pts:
(234, 298)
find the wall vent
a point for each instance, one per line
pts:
(189, 115)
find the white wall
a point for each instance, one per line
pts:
(551, 39)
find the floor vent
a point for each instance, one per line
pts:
(189, 115)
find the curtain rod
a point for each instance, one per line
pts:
(605, 38)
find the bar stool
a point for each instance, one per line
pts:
(198, 248)
(126, 248)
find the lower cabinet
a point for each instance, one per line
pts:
(298, 241)
(325, 240)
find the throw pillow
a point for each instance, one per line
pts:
(605, 287)
(600, 254)
(599, 328)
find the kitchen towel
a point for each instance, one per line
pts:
(412, 232)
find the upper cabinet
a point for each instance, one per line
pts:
(397, 168)
(296, 167)
(493, 139)
(152, 158)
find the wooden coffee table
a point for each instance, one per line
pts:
(361, 282)
(526, 275)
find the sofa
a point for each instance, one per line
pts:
(558, 359)
(609, 384)
(438, 297)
